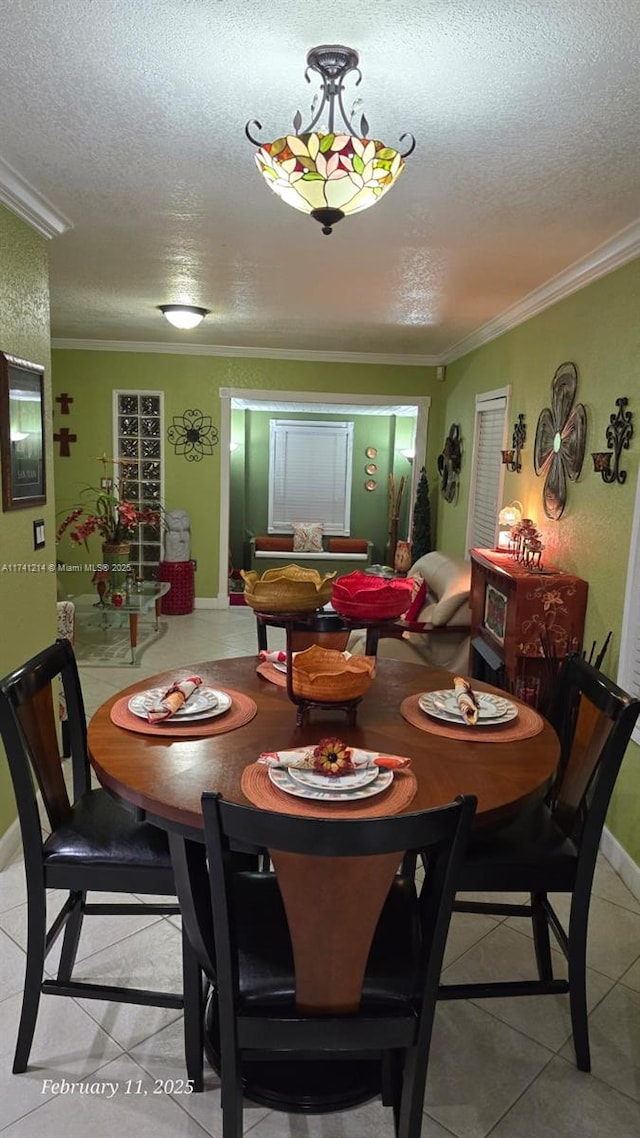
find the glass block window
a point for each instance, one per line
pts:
(138, 433)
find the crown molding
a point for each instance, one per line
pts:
(24, 200)
(623, 247)
(244, 353)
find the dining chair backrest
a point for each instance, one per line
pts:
(28, 724)
(285, 984)
(594, 719)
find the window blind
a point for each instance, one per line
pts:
(487, 473)
(310, 475)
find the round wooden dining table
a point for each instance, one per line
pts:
(164, 774)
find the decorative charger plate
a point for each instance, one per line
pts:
(203, 704)
(318, 781)
(492, 708)
(281, 778)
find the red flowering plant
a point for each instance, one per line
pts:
(109, 514)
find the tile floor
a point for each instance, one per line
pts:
(502, 1068)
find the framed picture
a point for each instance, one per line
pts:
(22, 433)
(495, 613)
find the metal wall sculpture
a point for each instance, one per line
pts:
(561, 434)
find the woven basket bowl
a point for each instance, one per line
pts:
(323, 674)
(290, 589)
(363, 596)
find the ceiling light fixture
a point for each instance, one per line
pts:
(183, 316)
(329, 172)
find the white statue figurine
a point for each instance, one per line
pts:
(177, 539)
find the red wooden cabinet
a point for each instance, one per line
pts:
(514, 611)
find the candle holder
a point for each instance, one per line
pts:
(618, 435)
(511, 458)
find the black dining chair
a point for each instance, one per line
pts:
(263, 1012)
(552, 846)
(94, 844)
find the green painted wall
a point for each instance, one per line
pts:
(369, 508)
(598, 329)
(27, 596)
(193, 381)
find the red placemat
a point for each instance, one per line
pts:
(527, 724)
(267, 670)
(242, 710)
(259, 789)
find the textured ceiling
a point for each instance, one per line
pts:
(128, 116)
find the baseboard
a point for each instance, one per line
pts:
(219, 602)
(10, 843)
(620, 860)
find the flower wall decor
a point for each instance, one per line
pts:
(192, 435)
(561, 434)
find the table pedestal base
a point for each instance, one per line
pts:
(314, 1085)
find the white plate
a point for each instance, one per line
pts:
(203, 704)
(491, 714)
(281, 778)
(342, 782)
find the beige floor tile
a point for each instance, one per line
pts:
(507, 955)
(67, 1044)
(632, 978)
(479, 1068)
(464, 931)
(76, 1115)
(12, 966)
(614, 1032)
(162, 1057)
(98, 932)
(608, 885)
(614, 933)
(568, 1103)
(148, 959)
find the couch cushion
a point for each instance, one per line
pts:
(348, 545)
(449, 584)
(274, 544)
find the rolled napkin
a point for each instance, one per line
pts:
(173, 699)
(466, 700)
(272, 657)
(303, 757)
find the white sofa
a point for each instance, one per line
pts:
(444, 643)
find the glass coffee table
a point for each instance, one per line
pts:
(134, 606)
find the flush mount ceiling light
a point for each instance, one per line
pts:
(329, 172)
(183, 316)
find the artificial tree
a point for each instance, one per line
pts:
(421, 529)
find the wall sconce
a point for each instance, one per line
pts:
(511, 458)
(508, 517)
(619, 434)
(409, 454)
(233, 446)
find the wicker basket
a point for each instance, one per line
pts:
(290, 589)
(327, 676)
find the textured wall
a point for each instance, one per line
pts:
(598, 330)
(27, 598)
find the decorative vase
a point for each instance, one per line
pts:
(116, 556)
(402, 557)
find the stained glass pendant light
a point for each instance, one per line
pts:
(329, 170)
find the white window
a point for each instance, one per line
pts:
(487, 471)
(629, 666)
(310, 474)
(138, 444)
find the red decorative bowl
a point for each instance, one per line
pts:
(362, 596)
